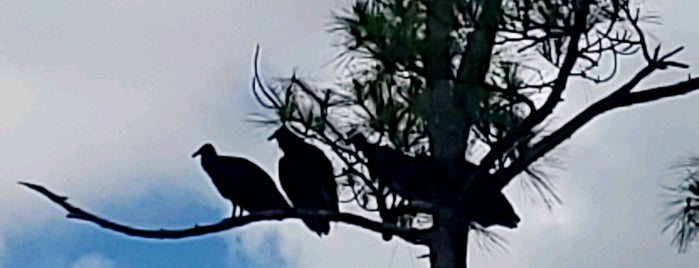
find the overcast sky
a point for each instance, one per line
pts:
(104, 101)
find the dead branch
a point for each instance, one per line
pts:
(410, 235)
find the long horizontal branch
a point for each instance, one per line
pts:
(410, 235)
(615, 100)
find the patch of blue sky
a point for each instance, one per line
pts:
(62, 242)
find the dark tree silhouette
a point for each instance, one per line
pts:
(307, 177)
(443, 78)
(241, 181)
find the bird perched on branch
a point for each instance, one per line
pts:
(307, 177)
(402, 174)
(410, 176)
(241, 181)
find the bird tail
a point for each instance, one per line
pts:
(390, 217)
(494, 209)
(320, 227)
(507, 216)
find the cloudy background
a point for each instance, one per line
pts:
(105, 101)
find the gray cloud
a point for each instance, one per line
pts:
(106, 102)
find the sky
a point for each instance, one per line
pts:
(105, 101)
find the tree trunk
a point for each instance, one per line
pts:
(448, 248)
(449, 116)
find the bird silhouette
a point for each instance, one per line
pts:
(410, 176)
(241, 181)
(402, 174)
(307, 177)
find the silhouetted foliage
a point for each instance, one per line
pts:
(684, 221)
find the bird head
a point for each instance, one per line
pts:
(206, 149)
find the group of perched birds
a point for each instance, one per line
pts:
(306, 176)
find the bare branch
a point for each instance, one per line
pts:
(648, 95)
(620, 98)
(572, 55)
(257, 84)
(411, 235)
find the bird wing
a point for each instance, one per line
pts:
(329, 185)
(289, 180)
(246, 184)
(265, 190)
(299, 179)
(403, 174)
(308, 179)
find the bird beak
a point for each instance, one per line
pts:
(274, 136)
(197, 153)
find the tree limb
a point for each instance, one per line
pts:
(660, 92)
(620, 98)
(476, 59)
(582, 9)
(410, 235)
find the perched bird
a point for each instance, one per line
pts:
(307, 177)
(242, 182)
(409, 177)
(402, 174)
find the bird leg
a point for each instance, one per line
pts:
(396, 200)
(236, 211)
